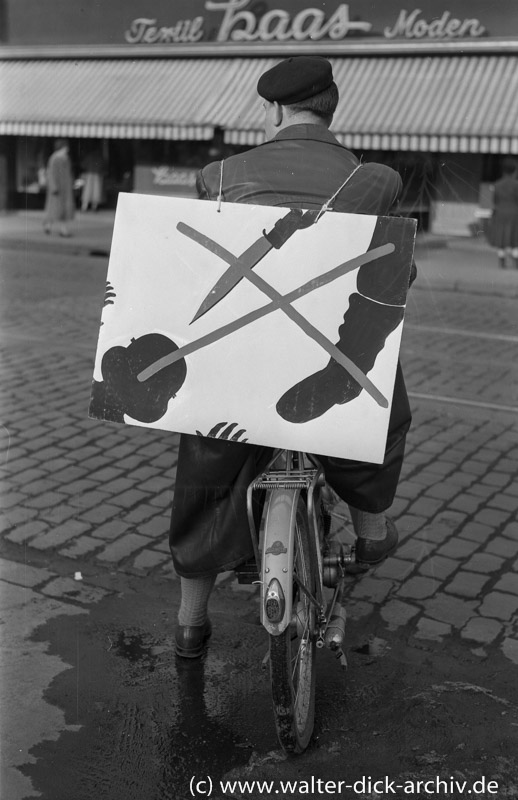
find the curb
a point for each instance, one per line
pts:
(465, 287)
(75, 248)
(80, 247)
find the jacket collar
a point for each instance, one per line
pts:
(318, 133)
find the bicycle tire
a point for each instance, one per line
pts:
(292, 653)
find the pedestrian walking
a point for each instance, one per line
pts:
(59, 205)
(93, 169)
(504, 223)
(302, 165)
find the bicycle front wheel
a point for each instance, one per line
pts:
(292, 653)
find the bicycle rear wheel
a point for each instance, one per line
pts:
(292, 653)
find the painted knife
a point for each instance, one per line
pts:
(283, 229)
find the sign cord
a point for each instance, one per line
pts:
(331, 200)
(220, 194)
(322, 211)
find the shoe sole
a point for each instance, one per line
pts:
(380, 560)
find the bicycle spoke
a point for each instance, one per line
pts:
(306, 591)
(303, 639)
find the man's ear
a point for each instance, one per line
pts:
(277, 114)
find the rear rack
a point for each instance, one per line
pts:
(281, 479)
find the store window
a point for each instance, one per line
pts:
(419, 174)
(31, 159)
(170, 167)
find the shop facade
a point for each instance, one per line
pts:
(162, 88)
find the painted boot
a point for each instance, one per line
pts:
(365, 328)
(362, 336)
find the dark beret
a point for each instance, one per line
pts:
(295, 79)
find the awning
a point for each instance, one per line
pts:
(466, 104)
(413, 103)
(117, 99)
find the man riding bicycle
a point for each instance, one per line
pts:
(301, 165)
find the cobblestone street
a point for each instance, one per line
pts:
(82, 489)
(78, 495)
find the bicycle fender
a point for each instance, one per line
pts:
(277, 560)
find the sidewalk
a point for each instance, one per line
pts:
(454, 264)
(91, 232)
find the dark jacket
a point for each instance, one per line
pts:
(302, 167)
(504, 224)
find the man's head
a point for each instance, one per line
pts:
(298, 90)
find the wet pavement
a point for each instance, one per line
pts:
(94, 702)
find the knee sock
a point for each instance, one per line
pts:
(195, 598)
(367, 525)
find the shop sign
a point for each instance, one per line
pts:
(412, 25)
(240, 23)
(269, 24)
(165, 180)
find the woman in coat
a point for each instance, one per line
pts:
(59, 205)
(504, 225)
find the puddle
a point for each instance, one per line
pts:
(374, 647)
(132, 647)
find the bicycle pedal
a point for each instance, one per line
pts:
(342, 658)
(247, 572)
(356, 567)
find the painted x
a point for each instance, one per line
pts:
(242, 268)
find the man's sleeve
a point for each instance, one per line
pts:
(390, 186)
(207, 181)
(374, 189)
(201, 187)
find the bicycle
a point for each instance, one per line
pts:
(294, 561)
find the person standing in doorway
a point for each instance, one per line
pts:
(504, 224)
(59, 205)
(93, 175)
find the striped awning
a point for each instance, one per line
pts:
(440, 103)
(466, 104)
(117, 99)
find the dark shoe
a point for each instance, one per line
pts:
(191, 639)
(371, 552)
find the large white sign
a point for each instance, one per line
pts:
(253, 323)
